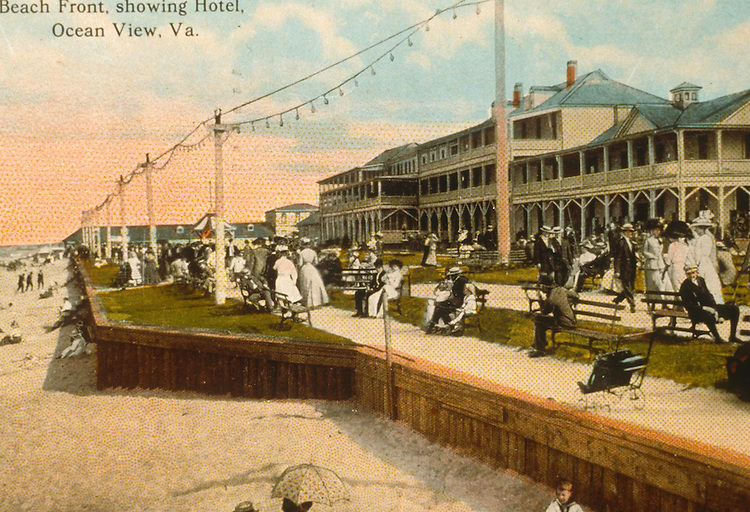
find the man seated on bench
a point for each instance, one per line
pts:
(391, 288)
(374, 289)
(702, 308)
(449, 306)
(556, 311)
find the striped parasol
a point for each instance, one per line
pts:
(307, 482)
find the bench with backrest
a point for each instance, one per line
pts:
(290, 311)
(360, 279)
(253, 293)
(669, 305)
(601, 311)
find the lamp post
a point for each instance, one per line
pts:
(148, 170)
(501, 164)
(220, 270)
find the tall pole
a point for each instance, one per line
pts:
(108, 247)
(501, 166)
(149, 171)
(123, 227)
(390, 406)
(220, 271)
(95, 233)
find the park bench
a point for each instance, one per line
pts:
(475, 259)
(669, 305)
(474, 319)
(253, 293)
(592, 311)
(360, 279)
(294, 310)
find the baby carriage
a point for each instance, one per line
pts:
(593, 270)
(617, 374)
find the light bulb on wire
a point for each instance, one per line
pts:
(312, 107)
(296, 114)
(409, 41)
(341, 91)
(325, 100)
(281, 120)
(390, 56)
(372, 70)
(268, 125)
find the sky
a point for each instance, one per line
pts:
(79, 112)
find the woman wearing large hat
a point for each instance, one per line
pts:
(703, 252)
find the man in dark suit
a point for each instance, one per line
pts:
(625, 259)
(374, 286)
(702, 307)
(556, 311)
(543, 256)
(444, 309)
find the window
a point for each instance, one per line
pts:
(489, 174)
(251, 227)
(423, 187)
(442, 153)
(476, 139)
(747, 145)
(476, 177)
(454, 149)
(180, 230)
(465, 179)
(489, 136)
(453, 181)
(444, 183)
(424, 159)
(433, 185)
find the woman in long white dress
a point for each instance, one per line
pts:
(704, 254)
(310, 281)
(286, 276)
(675, 259)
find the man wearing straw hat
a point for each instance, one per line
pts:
(702, 308)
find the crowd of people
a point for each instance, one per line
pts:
(26, 280)
(675, 257)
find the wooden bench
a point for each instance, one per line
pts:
(591, 310)
(294, 309)
(253, 292)
(474, 319)
(534, 295)
(745, 332)
(669, 305)
(360, 279)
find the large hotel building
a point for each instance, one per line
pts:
(582, 153)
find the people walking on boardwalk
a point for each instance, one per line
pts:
(677, 253)
(653, 257)
(543, 256)
(311, 284)
(429, 257)
(703, 308)
(704, 254)
(29, 281)
(286, 275)
(625, 262)
(556, 311)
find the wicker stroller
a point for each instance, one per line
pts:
(618, 373)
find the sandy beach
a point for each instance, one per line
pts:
(68, 447)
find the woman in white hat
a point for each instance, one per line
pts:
(703, 251)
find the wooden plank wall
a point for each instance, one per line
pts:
(141, 357)
(614, 466)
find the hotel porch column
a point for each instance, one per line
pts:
(630, 154)
(651, 150)
(722, 214)
(561, 213)
(681, 207)
(652, 203)
(631, 206)
(605, 159)
(584, 205)
(606, 209)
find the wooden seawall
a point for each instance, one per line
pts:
(615, 466)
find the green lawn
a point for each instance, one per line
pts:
(691, 363)
(179, 306)
(101, 277)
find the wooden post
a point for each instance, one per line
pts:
(501, 166)
(123, 227)
(148, 172)
(390, 407)
(108, 247)
(220, 270)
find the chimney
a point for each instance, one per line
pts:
(571, 74)
(517, 95)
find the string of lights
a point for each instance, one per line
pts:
(323, 97)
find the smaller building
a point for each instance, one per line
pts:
(310, 227)
(283, 220)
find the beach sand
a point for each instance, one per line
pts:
(67, 447)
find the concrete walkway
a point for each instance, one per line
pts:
(703, 414)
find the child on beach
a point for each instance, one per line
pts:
(563, 501)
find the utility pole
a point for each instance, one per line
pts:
(148, 172)
(220, 269)
(108, 247)
(123, 227)
(501, 165)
